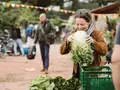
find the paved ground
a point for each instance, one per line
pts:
(16, 72)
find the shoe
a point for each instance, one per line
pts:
(46, 71)
(43, 70)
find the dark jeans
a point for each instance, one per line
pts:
(44, 49)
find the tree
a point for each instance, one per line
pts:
(44, 3)
(102, 2)
(11, 16)
(76, 4)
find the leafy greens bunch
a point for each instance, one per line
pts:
(57, 83)
(81, 50)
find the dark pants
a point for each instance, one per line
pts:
(77, 74)
(44, 49)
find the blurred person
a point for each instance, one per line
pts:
(83, 22)
(116, 60)
(109, 37)
(44, 29)
(30, 34)
(16, 36)
(6, 34)
(100, 24)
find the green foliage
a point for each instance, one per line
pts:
(25, 15)
(113, 23)
(44, 3)
(80, 5)
(81, 54)
(88, 6)
(81, 50)
(109, 38)
(56, 20)
(102, 2)
(57, 17)
(57, 83)
(41, 83)
(63, 84)
(11, 1)
(11, 16)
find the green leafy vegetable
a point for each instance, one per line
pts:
(81, 50)
(41, 83)
(57, 83)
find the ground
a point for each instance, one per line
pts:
(17, 72)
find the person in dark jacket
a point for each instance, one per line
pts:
(45, 29)
(16, 36)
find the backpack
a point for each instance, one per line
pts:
(30, 32)
(31, 52)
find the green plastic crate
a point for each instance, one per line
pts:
(96, 78)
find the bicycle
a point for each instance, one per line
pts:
(2, 48)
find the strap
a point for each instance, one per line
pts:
(42, 29)
(90, 30)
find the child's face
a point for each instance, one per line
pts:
(81, 24)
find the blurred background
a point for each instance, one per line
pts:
(60, 12)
